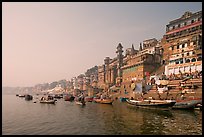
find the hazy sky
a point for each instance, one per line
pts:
(46, 42)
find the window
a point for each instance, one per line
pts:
(193, 60)
(193, 52)
(183, 45)
(192, 21)
(173, 27)
(187, 54)
(188, 60)
(185, 23)
(177, 46)
(199, 59)
(179, 25)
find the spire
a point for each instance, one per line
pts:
(119, 48)
(132, 50)
(140, 47)
(133, 47)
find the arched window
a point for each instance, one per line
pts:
(188, 60)
(193, 60)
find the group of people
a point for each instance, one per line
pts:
(196, 74)
(47, 98)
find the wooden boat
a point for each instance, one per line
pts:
(198, 106)
(132, 102)
(69, 98)
(104, 101)
(28, 97)
(48, 101)
(186, 104)
(152, 103)
(58, 96)
(88, 99)
(21, 95)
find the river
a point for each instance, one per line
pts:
(21, 117)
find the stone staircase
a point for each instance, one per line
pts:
(175, 88)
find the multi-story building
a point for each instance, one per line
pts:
(111, 70)
(184, 44)
(80, 81)
(134, 66)
(140, 63)
(92, 73)
(101, 76)
(74, 82)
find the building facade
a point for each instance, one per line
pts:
(140, 64)
(184, 44)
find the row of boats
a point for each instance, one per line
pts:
(190, 103)
(166, 104)
(52, 99)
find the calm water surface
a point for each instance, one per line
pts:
(20, 117)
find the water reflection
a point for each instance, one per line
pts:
(171, 122)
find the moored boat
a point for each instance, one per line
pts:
(104, 101)
(152, 103)
(131, 101)
(186, 104)
(58, 96)
(69, 98)
(48, 100)
(21, 95)
(88, 99)
(28, 97)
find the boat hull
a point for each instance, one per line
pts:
(48, 101)
(69, 98)
(152, 103)
(190, 104)
(28, 97)
(88, 99)
(104, 101)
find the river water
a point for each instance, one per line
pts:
(21, 117)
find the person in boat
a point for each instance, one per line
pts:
(50, 98)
